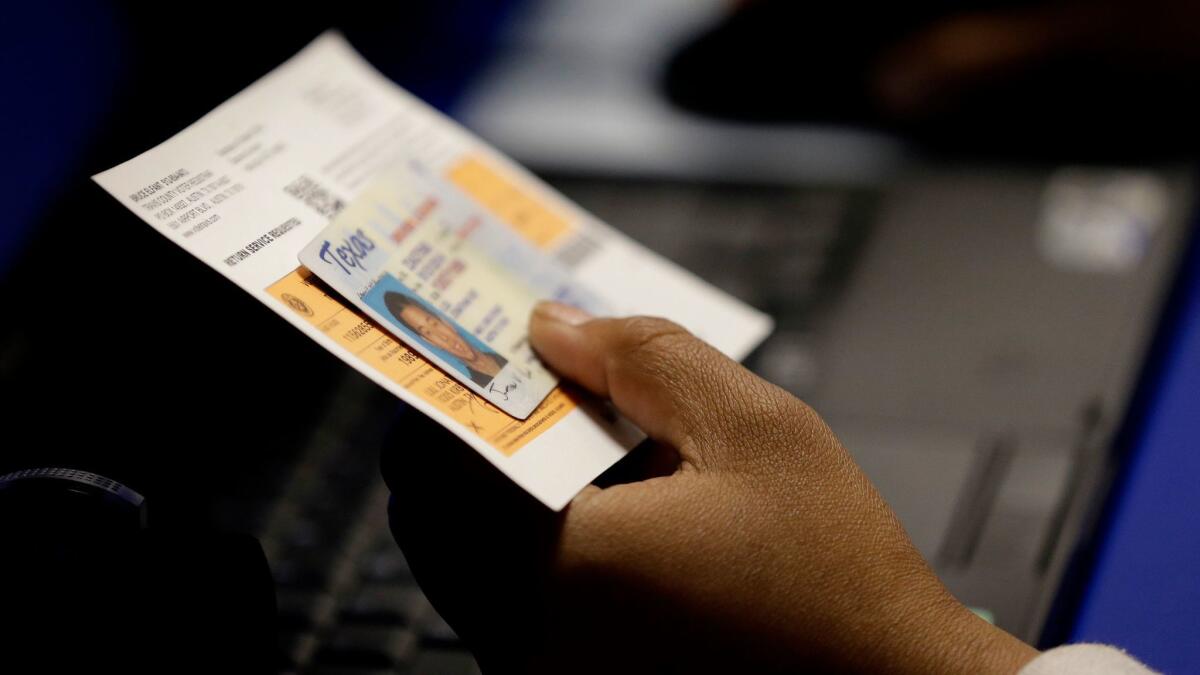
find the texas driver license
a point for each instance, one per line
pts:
(448, 280)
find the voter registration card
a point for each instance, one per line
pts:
(423, 251)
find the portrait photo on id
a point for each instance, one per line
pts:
(438, 332)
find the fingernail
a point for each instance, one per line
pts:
(557, 311)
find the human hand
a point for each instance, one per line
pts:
(743, 537)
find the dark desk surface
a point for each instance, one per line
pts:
(1144, 593)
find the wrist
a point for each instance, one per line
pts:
(955, 640)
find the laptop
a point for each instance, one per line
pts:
(972, 330)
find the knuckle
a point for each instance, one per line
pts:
(649, 340)
(718, 404)
(767, 422)
(639, 330)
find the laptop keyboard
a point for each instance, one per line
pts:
(347, 601)
(784, 250)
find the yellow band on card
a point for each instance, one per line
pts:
(301, 291)
(509, 203)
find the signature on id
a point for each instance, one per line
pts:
(503, 391)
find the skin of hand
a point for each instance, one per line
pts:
(741, 536)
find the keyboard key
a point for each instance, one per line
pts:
(296, 649)
(348, 670)
(445, 662)
(301, 609)
(303, 569)
(367, 647)
(385, 566)
(386, 604)
(436, 633)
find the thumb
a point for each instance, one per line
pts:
(674, 386)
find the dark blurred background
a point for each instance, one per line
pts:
(90, 363)
(784, 150)
(92, 84)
